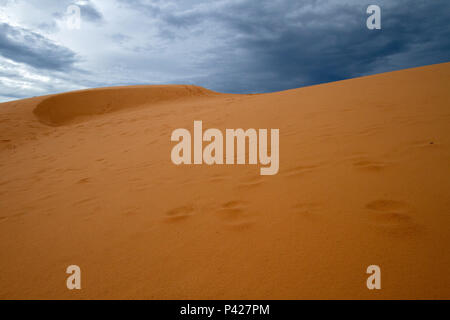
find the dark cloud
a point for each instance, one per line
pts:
(238, 46)
(271, 45)
(336, 44)
(90, 13)
(24, 46)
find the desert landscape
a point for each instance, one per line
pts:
(86, 179)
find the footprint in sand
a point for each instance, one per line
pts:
(235, 215)
(13, 216)
(179, 213)
(2, 183)
(371, 130)
(391, 217)
(251, 183)
(369, 165)
(232, 207)
(217, 178)
(10, 146)
(430, 143)
(386, 205)
(84, 202)
(307, 209)
(301, 170)
(131, 211)
(84, 180)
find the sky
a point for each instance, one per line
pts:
(233, 46)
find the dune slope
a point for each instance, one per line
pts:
(64, 108)
(86, 179)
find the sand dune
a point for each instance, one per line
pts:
(63, 108)
(86, 179)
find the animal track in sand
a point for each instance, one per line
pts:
(369, 165)
(251, 182)
(300, 170)
(400, 229)
(369, 130)
(386, 205)
(430, 143)
(232, 208)
(83, 202)
(234, 214)
(130, 212)
(8, 145)
(218, 178)
(179, 213)
(307, 209)
(15, 215)
(243, 225)
(391, 218)
(4, 182)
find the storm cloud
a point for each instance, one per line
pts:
(22, 45)
(244, 46)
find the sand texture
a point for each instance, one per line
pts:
(86, 179)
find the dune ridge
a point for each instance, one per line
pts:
(63, 108)
(86, 179)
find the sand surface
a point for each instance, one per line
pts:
(86, 179)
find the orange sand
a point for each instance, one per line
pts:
(86, 179)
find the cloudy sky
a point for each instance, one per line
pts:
(238, 46)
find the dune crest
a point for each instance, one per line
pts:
(63, 108)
